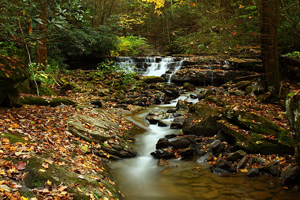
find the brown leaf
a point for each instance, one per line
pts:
(45, 165)
(21, 165)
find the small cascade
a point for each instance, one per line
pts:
(160, 68)
(178, 66)
(125, 63)
(151, 66)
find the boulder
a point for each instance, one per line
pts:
(201, 121)
(290, 175)
(103, 131)
(293, 114)
(12, 74)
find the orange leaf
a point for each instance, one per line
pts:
(30, 28)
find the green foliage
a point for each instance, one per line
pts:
(8, 48)
(46, 75)
(294, 54)
(78, 41)
(130, 46)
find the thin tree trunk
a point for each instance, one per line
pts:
(269, 41)
(42, 43)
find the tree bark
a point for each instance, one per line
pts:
(42, 43)
(269, 10)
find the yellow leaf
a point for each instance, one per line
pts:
(24, 12)
(49, 182)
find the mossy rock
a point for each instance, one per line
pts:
(61, 101)
(13, 137)
(189, 86)
(35, 101)
(153, 79)
(37, 177)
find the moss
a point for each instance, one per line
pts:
(35, 101)
(13, 137)
(60, 101)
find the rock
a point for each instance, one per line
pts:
(223, 164)
(153, 79)
(242, 163)
(293, 115)
(162, 162)
(221, 148)
(162, 124)
(201, 121)
(290, 175)
(183, 104)
(60, 101)
(189, 86)
(253, 172)
(35, 101)
(172, 110)
(205, 158)
(12, 74)
(165, 153)
(177, 123)
(236, 155)
(215, 144)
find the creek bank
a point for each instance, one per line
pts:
(64, 152)
(235, 132)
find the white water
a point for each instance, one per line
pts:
(160, 68)
(155, 66)
(125, 63)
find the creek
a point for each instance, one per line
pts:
(140, 178)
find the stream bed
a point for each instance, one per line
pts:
(140, 178)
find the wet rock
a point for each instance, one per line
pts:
(187, 152)
(162, 162)
(224, 165)
(177, 123)
(274, 170)
(193, 96)
(165, 153)
(290, 175)
(162, 143)
(236, 155)
(162, 123)
(172, 110)
(215, 144)
(183, 104)
(253, 172)
(242, 163)
(189, 86)
(221, 148)
(179, 142)
(205, 158)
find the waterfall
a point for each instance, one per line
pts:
(151, 66)
(178, 66)
(125, 63)
(160, 68)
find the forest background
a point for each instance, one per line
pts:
(54, 32)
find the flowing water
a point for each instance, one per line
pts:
(140, 178)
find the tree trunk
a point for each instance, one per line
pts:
(269, 41)
(42, 43)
